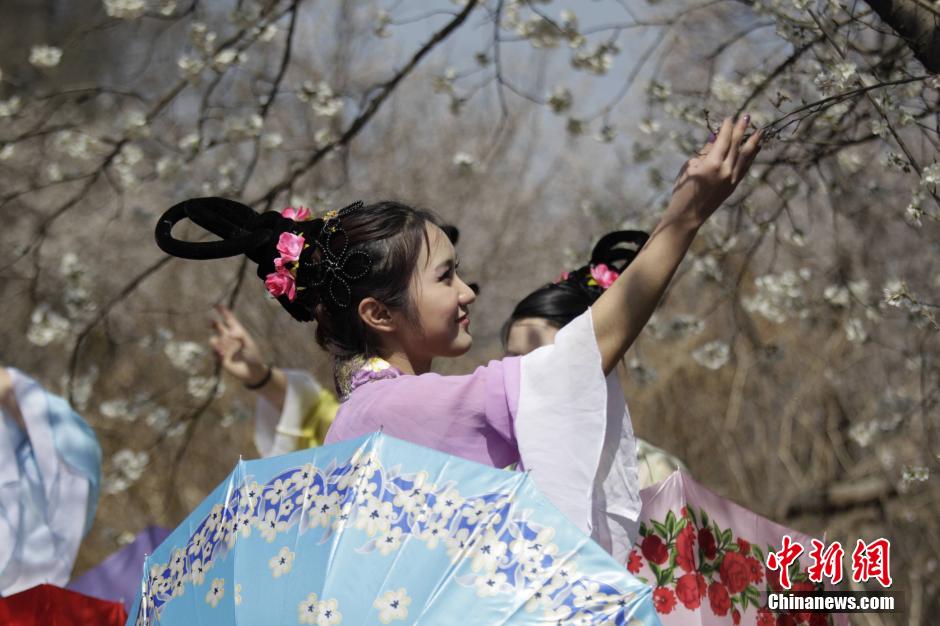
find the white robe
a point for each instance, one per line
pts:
(48, 488)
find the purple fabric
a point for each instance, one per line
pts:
(117, 578)
(468, 416)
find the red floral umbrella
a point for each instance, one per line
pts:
(48, 605)
(705, 557)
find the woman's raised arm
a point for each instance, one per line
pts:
(704, 182)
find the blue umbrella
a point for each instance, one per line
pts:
(378, 530)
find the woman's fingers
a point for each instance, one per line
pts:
(228, 318)
(746, 157)
(737, 137)
(722, 143)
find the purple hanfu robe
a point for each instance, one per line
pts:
(551, 411)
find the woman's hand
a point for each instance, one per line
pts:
(236, 348)
(707, 180)
(703, 184)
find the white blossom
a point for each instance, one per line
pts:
(836, 79)
(189, 142)
(706, 267)
(464, 162)
(560, 99)
(10, 107)
(851, 161)
(895, 293)
(911, 474)
(712, 355)
(185, 355)
(53, 172)
(125, 164)
(444, 83)
(271, 140)
(190, 67)
(202, 37)
(167, 7)
(837, 295)
(135, 124)
(321, 98)
(6, 152)
(729, 92)
(855, 330)
(931, 174)
(268, 34)
(248, 127)
(127, 467)
(200, 387)
(168, 166)
(74, 144)
(778, 296)
(648, 126)
(125, 9)
(323, 137)
(597, 61)
(158, 419)
(47, 327)
(224, 58)
(45, 56)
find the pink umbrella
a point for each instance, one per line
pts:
(705, 557)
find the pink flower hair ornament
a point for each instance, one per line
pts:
(281, 283)
(283, 280)
(298, 214)
(602, 275)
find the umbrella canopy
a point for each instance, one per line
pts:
(378, 530)
(705, 556)
(117, 578)
(48, 605)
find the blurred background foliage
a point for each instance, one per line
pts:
(793, 364)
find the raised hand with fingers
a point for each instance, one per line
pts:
(708, 179)
(237, 350)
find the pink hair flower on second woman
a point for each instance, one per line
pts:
(281, 283)
(299, 214)
(290, 246)
(603, 275)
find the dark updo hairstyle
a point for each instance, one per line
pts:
(358, 252)
(562, 301)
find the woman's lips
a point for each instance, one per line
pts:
(464, 321)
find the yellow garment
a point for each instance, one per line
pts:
(317, 420)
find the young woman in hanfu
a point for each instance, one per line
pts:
(293, 411)
(381, 282)
(50, 470)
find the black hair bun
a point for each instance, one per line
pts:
(242, 230)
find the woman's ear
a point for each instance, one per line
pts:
(377, 316)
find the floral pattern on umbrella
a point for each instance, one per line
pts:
(699, 562)
(493, 546)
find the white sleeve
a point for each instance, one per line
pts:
(278, 433)
(44, 503)
(576, 439)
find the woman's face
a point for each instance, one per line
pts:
(441, 302)
(529, 333)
